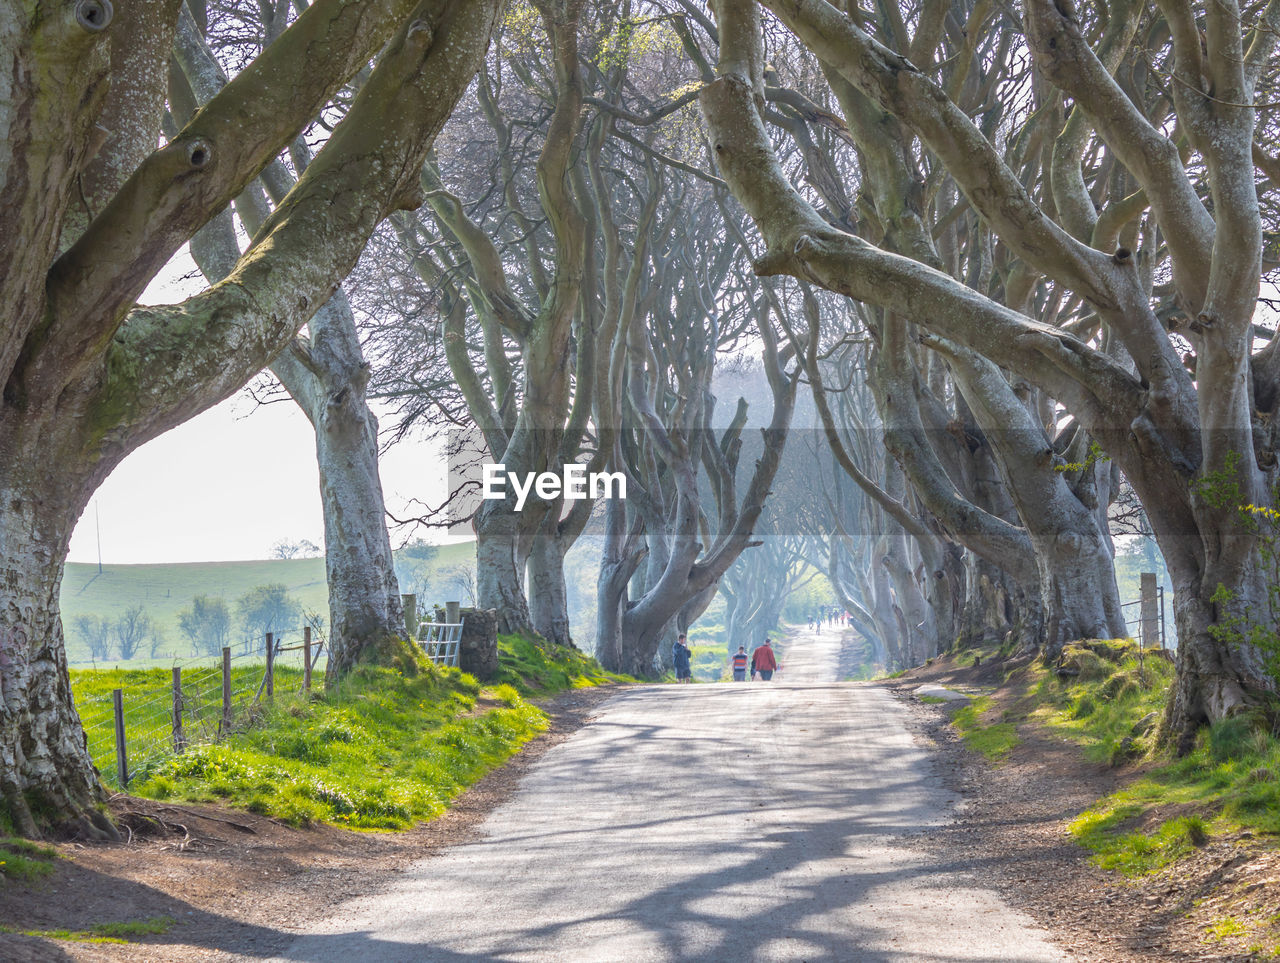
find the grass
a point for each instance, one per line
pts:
(932, 700)
(384, 752)
(709, 663)
(25, 861)
(1225, 929)
(1136, 853)
(389, 748)
(1228, 782)
(1229, 779)
(1111, 708)
(148, 707)
(537, 669)
(102, 932)
(993, 740)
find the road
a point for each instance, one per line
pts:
(735, 822)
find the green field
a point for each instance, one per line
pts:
(166, 590)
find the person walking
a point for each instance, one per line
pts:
(764, 661)
(739, 661)
(680, 656)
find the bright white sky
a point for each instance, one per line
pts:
(230, 483)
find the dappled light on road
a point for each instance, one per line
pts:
(726, 822)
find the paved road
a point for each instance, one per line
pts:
(812, 655)
(705, 823)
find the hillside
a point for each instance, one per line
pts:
(166, 590)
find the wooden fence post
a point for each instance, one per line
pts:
(306, 660)
(410, 603)
(271, 667)
(1149, 613)
(226, 688)
(179, 739)
(122, 760)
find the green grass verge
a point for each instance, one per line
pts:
(388, 748)
(993, 740)
(1136, 853)
(103, 932)
(383, 752)
(709, 663)
(148, 708)
(24, 861)
(537, 668)
(1111, 709)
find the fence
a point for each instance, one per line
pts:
(131, 728)
(1145, 615)
(441, 640)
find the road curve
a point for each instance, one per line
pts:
(734, 822)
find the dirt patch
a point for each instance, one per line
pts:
(236, 884)
(1015, 814)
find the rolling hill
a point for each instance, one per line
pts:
(165, 590)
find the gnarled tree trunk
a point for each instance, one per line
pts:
(45, 769)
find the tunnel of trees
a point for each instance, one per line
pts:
(916, 299)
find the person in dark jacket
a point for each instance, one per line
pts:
(680, 654)
(764, 662)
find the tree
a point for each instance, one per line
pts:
(207, 624)
(89, 374)
(1199, 451)
(95, 632)
(327, 376)
(461, 583)
(286, 549)
(267, 608)
(659, 433)
(526, 412)
(132, 629)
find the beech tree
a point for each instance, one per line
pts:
(972, 461)
(668, 545)
(1198, 449)
(91, 211)
(324, 372)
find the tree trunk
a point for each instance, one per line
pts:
(497, 577)
(329, 386)
(364, 596)
(643, 634)
(1209, 685)
(46, 775)
(1228, 649)
(548, 594)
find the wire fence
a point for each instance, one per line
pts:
(135, 719)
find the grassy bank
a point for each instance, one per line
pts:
(1198, 833)
(1108, 701)
(387, 749)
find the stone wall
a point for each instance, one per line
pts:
(479, 649)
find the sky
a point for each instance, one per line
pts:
(228, 485)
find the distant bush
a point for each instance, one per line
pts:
(95, 632)
(267, 608)
(207, 624)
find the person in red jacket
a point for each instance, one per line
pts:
(764, 661)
